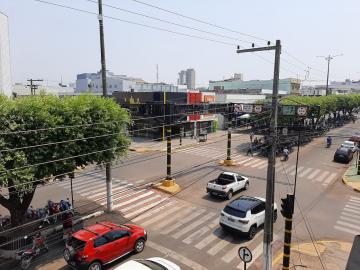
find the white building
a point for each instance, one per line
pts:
(92, 82)
(5, 67)
(20, 89)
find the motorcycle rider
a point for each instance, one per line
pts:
(329, 141)
(286, 153)
(38, 242)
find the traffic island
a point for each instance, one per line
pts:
(228, 162)
(351, 178)
(168, 186)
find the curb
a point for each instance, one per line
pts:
(347, 182)
(10, 254)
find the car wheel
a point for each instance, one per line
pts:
(252, 232)
(246, 186)
(95, 266)
(229, 195)
(25, 262)
(275, 216)
(139, 245)
(67, 254)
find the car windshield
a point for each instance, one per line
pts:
(348, 144)
(152, 265)
(234, 212)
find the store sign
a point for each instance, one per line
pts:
(247, 108)
(288, 110)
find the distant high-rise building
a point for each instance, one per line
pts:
(187, 77)
(182, 77)
(190, 78)
(5, 68)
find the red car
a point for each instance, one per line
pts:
(101, 243)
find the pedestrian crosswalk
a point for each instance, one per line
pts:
(349, 220)
(194, 227)
(127, 198)
(315, 175)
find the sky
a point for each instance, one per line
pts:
(51, 43)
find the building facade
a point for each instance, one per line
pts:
(92, 83)
(289, 85)
(5, 66)
(187, 77)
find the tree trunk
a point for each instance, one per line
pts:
(17, 204)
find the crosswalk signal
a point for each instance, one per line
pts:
(287, 206)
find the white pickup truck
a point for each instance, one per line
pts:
(227, 184)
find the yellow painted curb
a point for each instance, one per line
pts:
(142, 149)
(226, 162)
(168, 186)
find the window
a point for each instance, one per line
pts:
(116, 234)
(115, 86)
(77, 244)
(152, 265)
(234, 212)
(239, 178)
(102, 240)
(110, 86)
(258, 209)
(96, 86)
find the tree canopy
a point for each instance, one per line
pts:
(46, 137)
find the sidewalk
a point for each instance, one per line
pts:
(142, 145)
(333, 254)
(351, 178)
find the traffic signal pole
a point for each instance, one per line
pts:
(287, 210)
(270, 182)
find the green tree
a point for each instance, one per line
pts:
(72, 132)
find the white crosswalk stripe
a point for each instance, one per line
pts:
(330, 178)
(220, 245)
(199, 233)
(313, 174)
(193, 225)
(322, 176)
(305, 172)
(349, 220)
(130, 200)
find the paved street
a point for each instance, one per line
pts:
(185, 227)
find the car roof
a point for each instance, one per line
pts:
(95, 230)
(132, 265)
(245, 203)
(348, 142)
(342, 150)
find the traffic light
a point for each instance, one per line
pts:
(287, 206)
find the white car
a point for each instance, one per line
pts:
(349, 144)
(227, 184)
(155, 263)
(245, 214)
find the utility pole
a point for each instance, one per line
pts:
(270, 180)
(328, 59)
(109, 199)
(33, 87)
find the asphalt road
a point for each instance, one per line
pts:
(184, 228)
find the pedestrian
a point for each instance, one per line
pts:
(249, 151)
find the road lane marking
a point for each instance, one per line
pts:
(161, 215)
(350, 219)
(346, 230)
(197, 234)
(346, 224)
(193, 225)
(288, 169)
(176, 256)
(207, 240)
(85, 182)
(260, 162)
(350, 215)
(94, 194)
(144, 209)
(305, 172)
(329, 179)
(116, 206)
(299, 170)
(151, 198)
(251, 162)
(354, 203)
(140, 181)
(263, 166)
(355, 198)
(351, 210)
(220, 245)
(183, 221)
(245, 160)
(322, 176)
(178, 215)
(152, 212)
(355, 207)
(312, 175)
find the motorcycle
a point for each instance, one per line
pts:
(28, 255)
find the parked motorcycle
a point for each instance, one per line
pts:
(28, 255)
